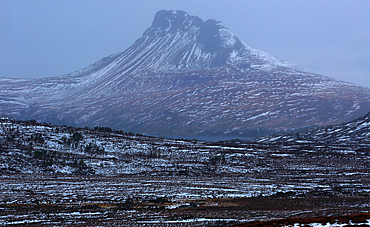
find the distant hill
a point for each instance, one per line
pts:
(351, 133)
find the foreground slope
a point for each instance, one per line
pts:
(53, 175)
(186, 76)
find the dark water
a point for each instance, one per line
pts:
(209, 138)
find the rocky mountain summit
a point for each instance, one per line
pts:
(186, 76)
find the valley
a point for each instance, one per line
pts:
(76, 150)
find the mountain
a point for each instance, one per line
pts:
(356, 132)
(186, 76)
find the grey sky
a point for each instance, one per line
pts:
(42, 38)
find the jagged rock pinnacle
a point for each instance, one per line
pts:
(173, 20)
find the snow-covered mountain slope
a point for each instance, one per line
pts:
(352, 133)
(187, 76)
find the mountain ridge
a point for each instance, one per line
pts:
(185, 76)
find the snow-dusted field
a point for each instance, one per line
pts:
(63, 200)
(62, 176)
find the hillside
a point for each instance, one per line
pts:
(351, 133)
